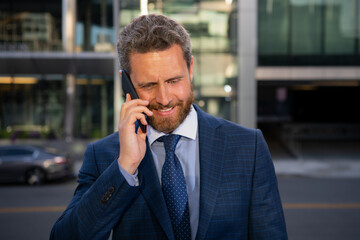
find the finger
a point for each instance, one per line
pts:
(133, 117)
(135, 109)
(129, 104)
(129, 122)
(141, 117)
(143, 120)
(128, 97)
(124, 105)
(140, 109)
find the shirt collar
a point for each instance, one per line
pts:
(188, 128)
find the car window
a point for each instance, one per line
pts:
(15, 152)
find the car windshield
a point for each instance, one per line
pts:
(15, 152)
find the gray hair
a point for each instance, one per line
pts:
(150, 33)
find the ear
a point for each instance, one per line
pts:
(191, 68)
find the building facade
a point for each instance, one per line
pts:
(282, 64)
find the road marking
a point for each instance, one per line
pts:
(32, 209)
(321, 205)
(285, 206)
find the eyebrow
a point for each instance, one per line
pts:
(173, 78)
(169, 79)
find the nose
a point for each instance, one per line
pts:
(163, 96)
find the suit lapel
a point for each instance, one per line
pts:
(212, 148)
(152, 192)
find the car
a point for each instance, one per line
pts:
(32, 164)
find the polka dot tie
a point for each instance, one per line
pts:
(174, 189)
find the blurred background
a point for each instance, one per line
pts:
(288, 67)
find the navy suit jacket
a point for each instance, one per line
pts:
(239, 198)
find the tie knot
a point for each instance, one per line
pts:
(170, 141)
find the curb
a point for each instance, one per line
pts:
(318, 169)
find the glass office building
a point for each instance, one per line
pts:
(58, 61)
(308, 60)
(43, 42)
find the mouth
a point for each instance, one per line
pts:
(165, 110)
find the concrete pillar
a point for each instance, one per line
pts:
(247, 62)
(69, 107)
(117, 83)
(104, 109)
(68, 31)
(68, 25)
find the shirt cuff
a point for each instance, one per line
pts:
(132, 180)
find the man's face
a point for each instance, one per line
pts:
(163, 79)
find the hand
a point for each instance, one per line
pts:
(133, 146)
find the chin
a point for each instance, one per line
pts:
(165, 125)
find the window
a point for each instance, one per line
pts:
(16, 152)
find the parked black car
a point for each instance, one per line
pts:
(34, 165)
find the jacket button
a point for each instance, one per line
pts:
(111, 190)
(104, 199)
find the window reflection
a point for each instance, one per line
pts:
(94, 26)
(93, 106)
(37, 102)
(31, 102)
(340, 26)
(308, 32)
(30, 28)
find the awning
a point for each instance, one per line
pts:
(13, 63)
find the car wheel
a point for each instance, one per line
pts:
(35, 176)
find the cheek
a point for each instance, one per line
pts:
(183, 92)
(145, 95)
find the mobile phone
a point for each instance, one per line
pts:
(128, 87)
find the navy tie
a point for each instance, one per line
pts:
(174, 189)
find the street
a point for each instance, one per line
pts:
(319, 209)
(315, 209)
(29, 212)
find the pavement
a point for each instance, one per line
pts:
(317, 159)
(318, 168)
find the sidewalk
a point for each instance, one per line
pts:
(326, 159)
(318, 168)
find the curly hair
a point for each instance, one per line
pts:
(150, 33)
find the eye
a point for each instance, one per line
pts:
(147, 86)
(173, 81)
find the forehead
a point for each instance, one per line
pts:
(174, 51)
(157, 64)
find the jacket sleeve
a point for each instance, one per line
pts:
(99, 201)
(266, 220)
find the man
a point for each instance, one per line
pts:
(190, 176)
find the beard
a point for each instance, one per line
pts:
(169, 124)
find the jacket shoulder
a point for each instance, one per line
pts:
(223, 125)
(104, 151)
(108, 141)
